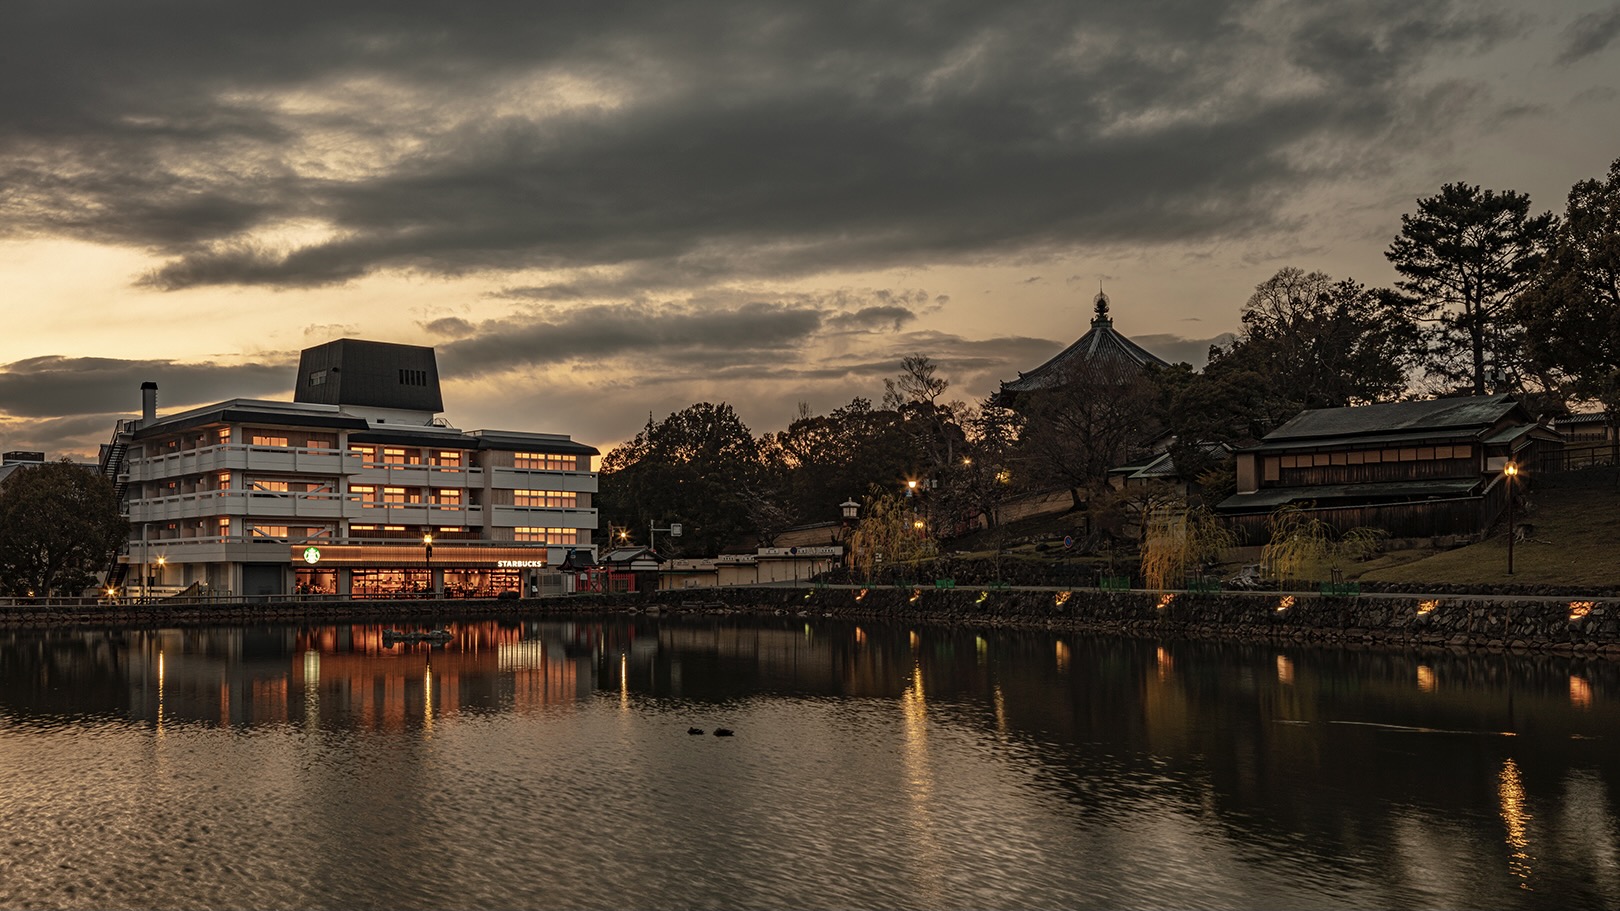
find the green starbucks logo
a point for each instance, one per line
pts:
(312, 555)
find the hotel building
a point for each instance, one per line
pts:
(354, 488)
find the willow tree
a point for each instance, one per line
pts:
(1177, 540)
(1300, 542)
(886, 535)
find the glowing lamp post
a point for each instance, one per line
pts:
(1511, 471)
(851, 510)
(427, 547)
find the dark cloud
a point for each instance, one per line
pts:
(636, 145)
(1590, 34)
(56, 386)
(451, 326)
(672, 332)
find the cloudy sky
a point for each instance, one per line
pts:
(596, 211)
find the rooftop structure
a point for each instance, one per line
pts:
(1103, 350)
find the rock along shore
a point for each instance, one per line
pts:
(1457, 622)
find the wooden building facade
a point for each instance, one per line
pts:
(1414, 469)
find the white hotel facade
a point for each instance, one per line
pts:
(355, 488)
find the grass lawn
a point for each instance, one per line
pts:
(1574, 540)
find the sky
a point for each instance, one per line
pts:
(600, 212)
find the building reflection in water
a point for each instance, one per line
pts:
(1334, 752)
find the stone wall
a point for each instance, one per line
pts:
(1453, 621)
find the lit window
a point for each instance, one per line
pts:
(449, 461)
(269, 531)
(393, 457)
(271, 486)
(543, 461)
(448, 498)
(555, 499)
(267, 440)
(545, 535)
(393, 495)
(224, 435)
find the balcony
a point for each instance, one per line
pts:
(240, 457)
(542, 517)
(536, 479)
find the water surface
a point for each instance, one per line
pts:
(548, 764)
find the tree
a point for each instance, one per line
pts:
(59, 526)
(695, 467)
(1327, 344)
(1177, 540)
(1094, 419)
(935, 426)
(1571, 312)
(1307, 342)
(820, 461)
(1466, 255)
(886, 536)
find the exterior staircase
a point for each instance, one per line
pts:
(113, 467)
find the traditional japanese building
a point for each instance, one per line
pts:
(357, 487)
(1413, 469)
(1102, 351)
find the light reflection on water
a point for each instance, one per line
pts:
(549, 765)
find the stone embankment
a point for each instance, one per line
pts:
(1457, 621)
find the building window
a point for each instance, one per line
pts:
(317, 378)
(544, 461)
(367, 454)
(224, 480)
(413, 377)
(393, 495)
(260, 439)
(269, 486)
(449, 461)
(546, 535)
(556, 499)
(450, 499)
(393, 457)
(362, 493)
(224, 436)
(269, 531)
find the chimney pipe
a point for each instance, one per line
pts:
(148, 402)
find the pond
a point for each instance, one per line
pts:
(551, 764)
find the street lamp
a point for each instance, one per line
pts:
(850, 509)
(1511, 471)
(427, 546)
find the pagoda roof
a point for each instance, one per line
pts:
(1103, 350)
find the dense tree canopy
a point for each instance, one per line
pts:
(1465, 256)
(695, 467)
(1572, 311)
(59, 527)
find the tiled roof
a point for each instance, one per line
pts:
(1102, 350)
(1446, 415)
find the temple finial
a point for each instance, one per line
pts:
(1101, 318)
